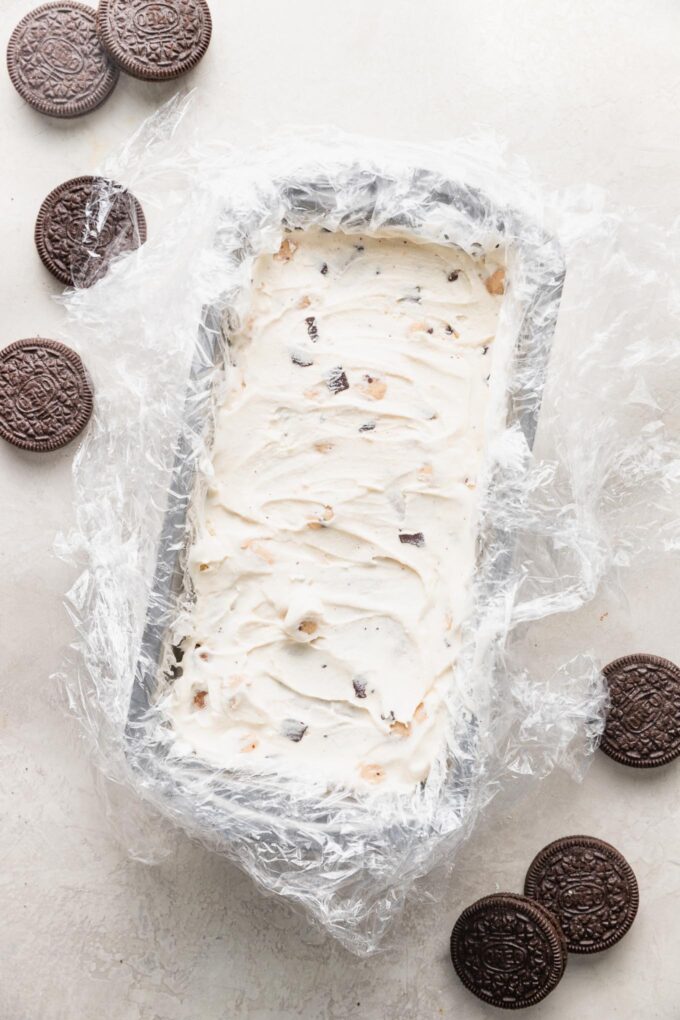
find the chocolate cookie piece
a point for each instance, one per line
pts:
(643, 722)
(416, 538)
(589, 887)
(294, 729)
(312, 328)
(301, 359)
(154, 39)
(336, 380)
(508, 950)
(45, 394)
(56, 61)
(83, 225)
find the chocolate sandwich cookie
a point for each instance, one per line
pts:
(56, 62)
(83, 225)
(643, 722)
(508, 950)
(45, 394)
(589, 887)
(154, 39)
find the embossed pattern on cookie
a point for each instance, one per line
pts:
(56, 62)
(643, 722)
(155, 39)
(508, 950)
(84, 224)
(589, 887)
(45, 395)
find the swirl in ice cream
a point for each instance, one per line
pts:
(334, 552)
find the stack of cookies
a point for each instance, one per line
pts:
(65, 58)
(580, 894)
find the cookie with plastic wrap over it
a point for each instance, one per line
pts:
(84, 224)
(643, 723)
(46, 397)
(56, 62)
(508, 950)
(155, 39)
(590, 888)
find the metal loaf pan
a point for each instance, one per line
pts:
(539, 263)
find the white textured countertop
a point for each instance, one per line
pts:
(587, 93)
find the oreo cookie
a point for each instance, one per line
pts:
(508, 950)
(45, 395)
(56, 62)
(84, 224)
(643, 722)
(154, 39)
(590, 889)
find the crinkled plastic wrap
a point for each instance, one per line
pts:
(583, 440)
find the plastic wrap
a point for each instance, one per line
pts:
(152, 333)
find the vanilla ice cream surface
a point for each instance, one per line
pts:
(335, 548)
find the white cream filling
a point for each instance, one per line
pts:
(335, 549)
